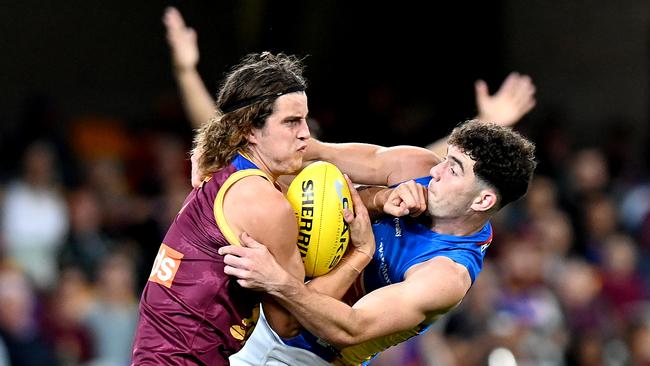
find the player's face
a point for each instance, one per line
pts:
(282, 142)
(453, 186)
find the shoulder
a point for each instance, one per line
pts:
(452, 280)
(259, 199)
(442, 266)
(254, 205)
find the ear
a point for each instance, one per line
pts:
(252, 137)
(485, 200)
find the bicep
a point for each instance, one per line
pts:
(277, 229)
(426, 293)
(387, 310)
(269, 220)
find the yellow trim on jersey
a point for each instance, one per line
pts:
(359, 353)
(242, 153)
(218, 202)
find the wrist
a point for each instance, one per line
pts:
(184, 70)
(380, 198)
(357, 259)
(363, 254)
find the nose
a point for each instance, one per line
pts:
(435, 171)
(303, 132)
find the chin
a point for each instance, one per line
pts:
(294, 166)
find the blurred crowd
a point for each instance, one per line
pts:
(85, 204)
(567, 277)
(565, 282)
(81, 219)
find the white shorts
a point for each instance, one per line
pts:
(265, 347)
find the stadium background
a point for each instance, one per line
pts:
(89, 104)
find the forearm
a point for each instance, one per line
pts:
(359, 161)
(338, 325)
(373, 164)
(196, 98)
(337, 282)
(373, 198)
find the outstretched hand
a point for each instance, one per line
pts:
(513, 100)
(181, 39)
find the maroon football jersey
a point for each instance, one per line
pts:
(191, 313)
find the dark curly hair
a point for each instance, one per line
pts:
(244, 101)
(504, 159)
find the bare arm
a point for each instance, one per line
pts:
(363, 163)
(272, 221)
(506, 107)
(373, 164)
(429, 290)
(185, 56)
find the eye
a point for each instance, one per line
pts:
(451, 169)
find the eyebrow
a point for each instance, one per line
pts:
(458, 162)
(291, 118)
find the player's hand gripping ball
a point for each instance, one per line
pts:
(318, 195)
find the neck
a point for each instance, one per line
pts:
(459, 226)
(254, 156)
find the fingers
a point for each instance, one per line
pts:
(519, 88)
(248, 242)
(357, 203)
(173, 18)
(422, 200)
(481, 91)
(232, 250)
(235, 261)
(396, 210)
(524, 92)
(353, 192)
(177, 31)
(236, 266)
(509, 85)
(195, 176)
(417, 201)
(406, 199)
(348, 216)
(239, 273)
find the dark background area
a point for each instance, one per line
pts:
(94, 163)
(391, 73)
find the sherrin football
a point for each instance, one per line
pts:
(318, 195)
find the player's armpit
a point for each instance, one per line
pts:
(285, 326)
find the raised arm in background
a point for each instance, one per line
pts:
(506, 107)
(184, 49)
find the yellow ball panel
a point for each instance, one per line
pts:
(318, 195)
